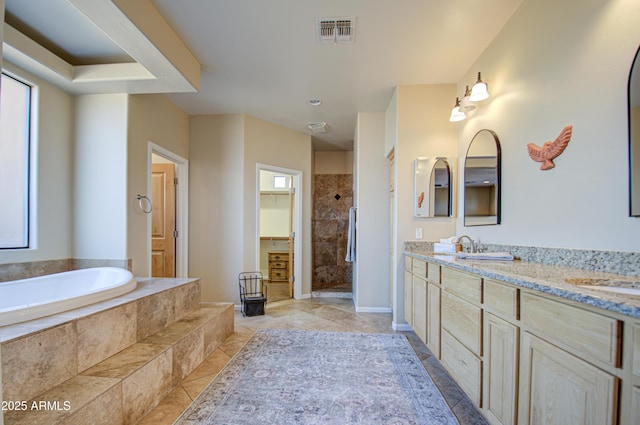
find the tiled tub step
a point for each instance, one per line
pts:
(126, 386)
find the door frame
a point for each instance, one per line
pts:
(182, 207)
(297, 221)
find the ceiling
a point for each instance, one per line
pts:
(257, 57)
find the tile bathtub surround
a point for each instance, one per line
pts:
(619, 262)
(125, 386)
(48, 351)
(16, 271)
(31, 366)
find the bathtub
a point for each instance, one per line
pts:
(28, 299)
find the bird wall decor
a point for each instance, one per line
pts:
(550, 150)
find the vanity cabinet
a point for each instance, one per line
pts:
(461, 335)
(558, 388)
(500, 370)
(420, 307)
(415, 297)
(525, 357)
(433, 308)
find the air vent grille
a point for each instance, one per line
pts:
(317, 127)
(335, 30)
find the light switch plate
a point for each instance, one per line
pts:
(418, 232)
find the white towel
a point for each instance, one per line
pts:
(351, 237)
(486, 256)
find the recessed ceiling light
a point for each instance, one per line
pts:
(315, 102)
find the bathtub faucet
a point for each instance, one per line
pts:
(472, 249)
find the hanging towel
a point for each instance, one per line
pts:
(351, 237)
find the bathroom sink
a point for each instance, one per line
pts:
(604, 284)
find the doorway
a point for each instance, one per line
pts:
(278, 232)
(167, 185)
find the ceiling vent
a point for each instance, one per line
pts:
(335, 30)
(317, 127)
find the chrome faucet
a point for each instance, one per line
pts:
(472, 249)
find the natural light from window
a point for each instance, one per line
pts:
(15, 107)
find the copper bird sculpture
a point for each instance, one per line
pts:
(550, 150)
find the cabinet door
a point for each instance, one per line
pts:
(420, 307)
(433, 319)
(557, 388)
(635, 405)
(408, 298)
(500, 368)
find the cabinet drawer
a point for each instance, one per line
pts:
(465, 285)
(275, 256)
(279, 264)
(500, 298)
(278, 274)
(585, 332)
(463, 366)
(419, 268)
(433, 273)
(407, 263)
(463, 320)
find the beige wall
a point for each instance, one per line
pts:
(333, 162)
(556, 64)
(54, 165)
(100, 177)
(371, 198)
(416, 126)
(152, 118)
(216, 203)
(225, 151)
(273, 145)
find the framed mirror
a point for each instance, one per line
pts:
(634, 137)
(482, 180)
(433, 192)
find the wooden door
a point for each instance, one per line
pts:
(420, 307)
(557, 388)
(163, 220)
(501, 365)
(291, 239)
(433, 321)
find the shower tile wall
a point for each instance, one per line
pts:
(332, 198)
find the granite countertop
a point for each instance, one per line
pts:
(549, 279)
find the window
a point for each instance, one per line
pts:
(15, 111)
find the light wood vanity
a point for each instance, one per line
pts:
(522, 355)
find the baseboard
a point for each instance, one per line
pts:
(402, 327)
(373, 309)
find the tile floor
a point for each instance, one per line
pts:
(322, 314)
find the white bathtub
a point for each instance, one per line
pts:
(28, 299)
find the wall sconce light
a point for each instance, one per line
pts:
(466, 105)
(479, 91)
(456, 113)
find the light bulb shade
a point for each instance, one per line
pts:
(457, 115)
(466, 105)
(479, 92)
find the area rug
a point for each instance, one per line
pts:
(308, 377)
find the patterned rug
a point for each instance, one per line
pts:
(304, 377)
